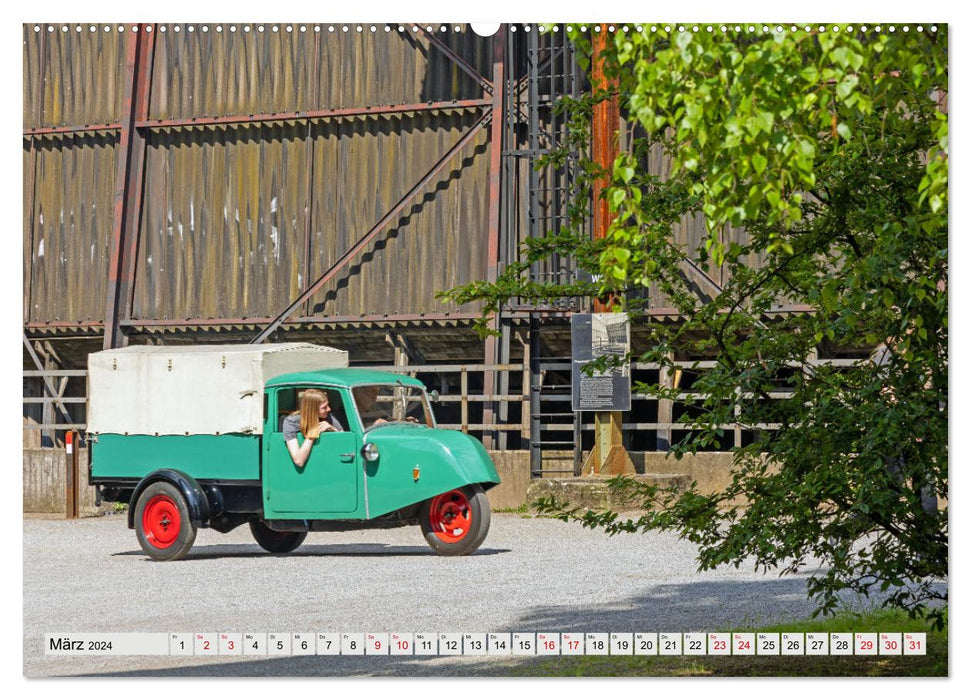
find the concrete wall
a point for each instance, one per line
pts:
(513, 468)
(712, 471)
(45, 474)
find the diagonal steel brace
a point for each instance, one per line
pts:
(367, 237)
(456, 59)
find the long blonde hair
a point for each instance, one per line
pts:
(310, 412)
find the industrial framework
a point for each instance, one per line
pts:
(136, 101)
(236, 183)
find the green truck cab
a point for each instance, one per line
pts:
(193, 437)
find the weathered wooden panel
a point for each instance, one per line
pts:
(223, 69)
(45, 475)
(438, 240)
(209, 70)
(224, 228)
(72, 215)
(223, 221)
(73, 74)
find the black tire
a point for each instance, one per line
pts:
(162, 523)
(274, 541)
(467, 504)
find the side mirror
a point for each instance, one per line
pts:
(433, 396)
(370, 452)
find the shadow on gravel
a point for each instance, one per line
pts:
(689, 607)
(332, 666)
(367, 549)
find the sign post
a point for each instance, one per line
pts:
(604, 337)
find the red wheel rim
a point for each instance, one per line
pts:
(450, 516)
(161, 522)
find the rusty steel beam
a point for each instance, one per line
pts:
(112, 332)
(342, 113)
(42, 325)
(606, 123)
(509, 312)
(464, 65)
(495, 156)
(73, 475)
(129, 174)
(367, 237)
(29, 253)
(495, 189)
(309, 192)
(363, 318)
(140, 145)
(56, 130)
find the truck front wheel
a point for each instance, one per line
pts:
(274, 541)
(457, 522)
(162, 523)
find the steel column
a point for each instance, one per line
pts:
(532, 213)
(364, 240)
(495, 190)
(606, 123)
(29, 253)
(608, 454)
(309, 196)
(129, 174)
(72, 509)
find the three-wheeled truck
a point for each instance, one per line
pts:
(193, 436)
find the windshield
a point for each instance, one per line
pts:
(381, 404)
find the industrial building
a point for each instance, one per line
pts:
(207, 183)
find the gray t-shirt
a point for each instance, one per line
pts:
(291, 425)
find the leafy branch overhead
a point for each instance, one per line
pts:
(818, 164)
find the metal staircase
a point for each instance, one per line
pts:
(554, 432)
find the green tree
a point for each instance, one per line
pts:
(822, 155)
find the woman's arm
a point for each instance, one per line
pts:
(300, 453)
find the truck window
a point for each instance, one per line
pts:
(288, 401)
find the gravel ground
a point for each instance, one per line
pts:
(531, 575)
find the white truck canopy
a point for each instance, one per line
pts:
(192, 389)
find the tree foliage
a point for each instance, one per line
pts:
(818, 160)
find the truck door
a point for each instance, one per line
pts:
(326, 486)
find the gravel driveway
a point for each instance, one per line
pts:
(531, 575)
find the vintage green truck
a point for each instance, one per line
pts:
(192, 436)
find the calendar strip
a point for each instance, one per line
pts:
(488, 644)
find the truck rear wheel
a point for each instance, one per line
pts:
(162, 523)
(457, 522)
(274, 541)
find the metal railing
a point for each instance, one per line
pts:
(462, 384)
(466, 399)
(53, 401)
